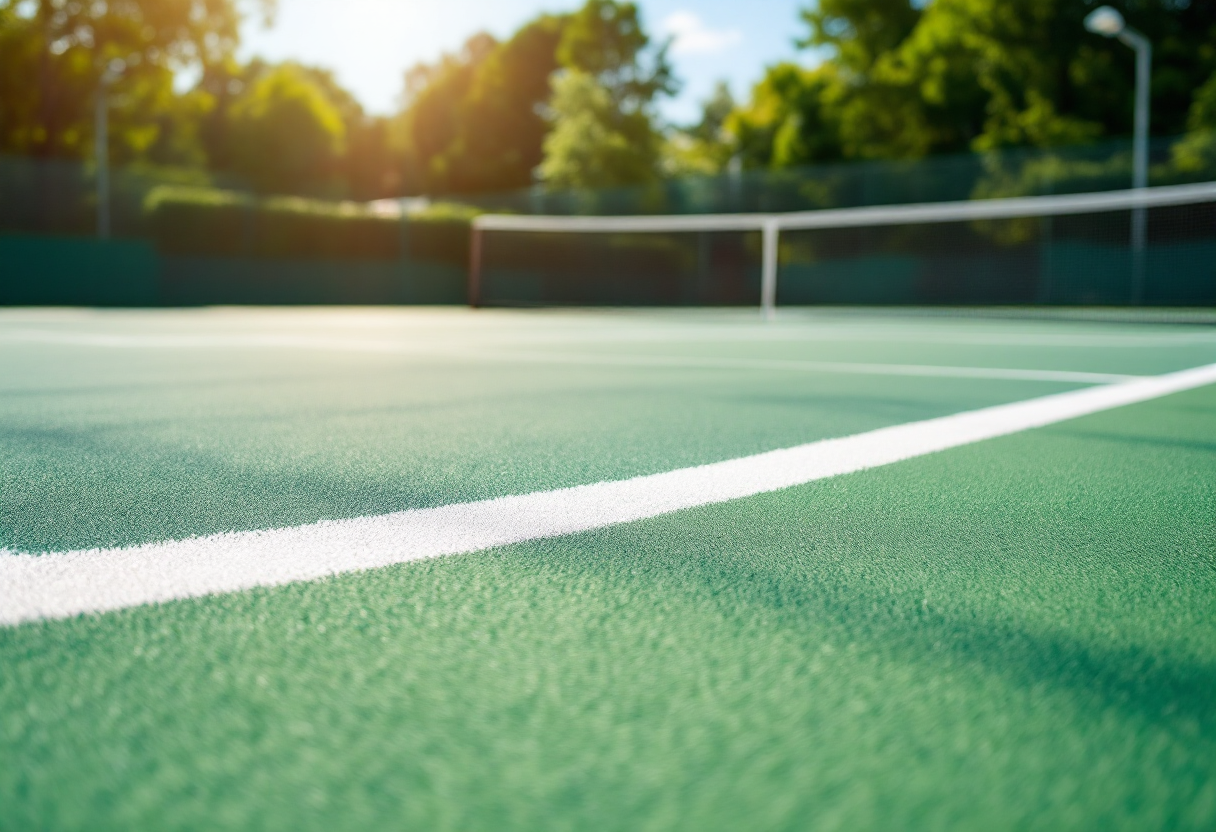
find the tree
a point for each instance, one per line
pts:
(791, 118)
(704, 148)
(1027, 68)
(504, 121)
(906, 79)
(433, 124)
(593, 143)
(1197, 150)
(372, 165)
(605, 39)
(473, 121)
(286, 135)
(603, 127)
(65, 45)
(477, 120)
(369, 166)
(859, 32)
(715, 110)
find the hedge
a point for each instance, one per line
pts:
(185, 221)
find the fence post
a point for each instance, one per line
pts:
(474, 264)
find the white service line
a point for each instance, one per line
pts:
(783, 364)
(188, 342)
(496, 353)
(59, 585)
(819, 333)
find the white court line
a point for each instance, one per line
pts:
(843, 367)
(516, 356)
(35, 336)
(816, 332)
(61, 585)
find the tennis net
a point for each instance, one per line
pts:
(1153, 246)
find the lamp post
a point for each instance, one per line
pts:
(1109, 23)
(101, 144)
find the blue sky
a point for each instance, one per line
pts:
(370, 43)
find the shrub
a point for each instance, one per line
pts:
(190, 221)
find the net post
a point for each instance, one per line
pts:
(474, 288)
(1139, 244)
(1144, 63)
(768, 269)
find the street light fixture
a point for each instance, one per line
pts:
(101, 144)
(1109, 23)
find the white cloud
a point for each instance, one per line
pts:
(690, 35)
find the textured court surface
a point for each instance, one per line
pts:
(1015, 634)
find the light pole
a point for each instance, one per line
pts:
(1109, 23)
(101, 144)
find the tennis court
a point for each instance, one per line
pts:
(995, 621)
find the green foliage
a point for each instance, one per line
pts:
(476, 120)
(446, 211)
(905, 79)
(1030, 64)
(472, 121)
(285, 132)
(593, 143)
(199, 221)
(715, 110)
(790, 119)
(371, 166)
(704, 148)
(51, 58)
(502, 128)
(1057, 171)
(605, 39)
(368, 166)
(431, 121)
(570, 97)
(32, 122)
(860, 31)
(1197, 151)
(603, 132)
(1203, 111)
(53, 54)
(192, 195)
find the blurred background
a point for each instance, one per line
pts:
(317, 151)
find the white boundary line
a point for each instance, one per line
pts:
(509, 355)
(61, 585)
(879, 334)
(794, 365)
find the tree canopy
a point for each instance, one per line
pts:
(570, 99)
(53, 54)
(478, 120)
(285, 131)
(906, 79)
(603, 126)
(593, 143)
(605, 39)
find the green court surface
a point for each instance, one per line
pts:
(1014, 634)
